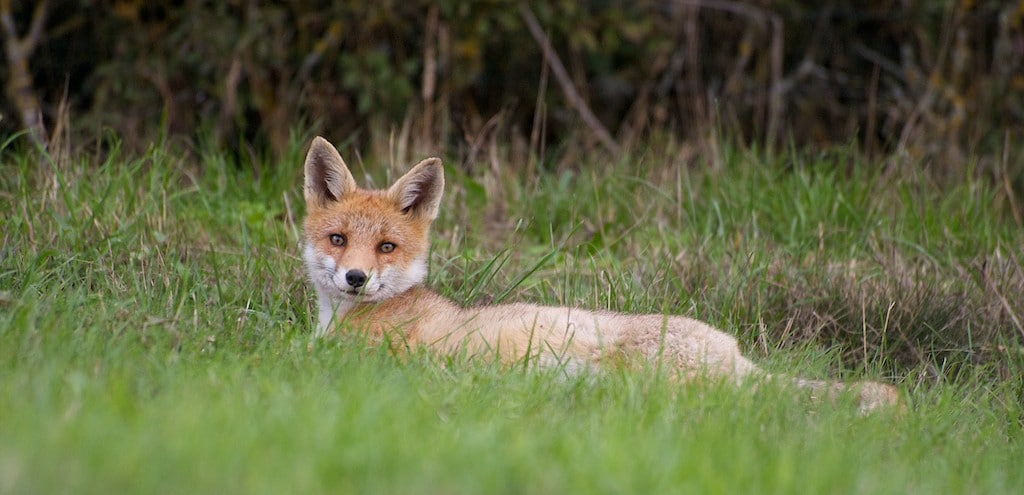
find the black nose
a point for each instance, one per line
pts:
(355, 278)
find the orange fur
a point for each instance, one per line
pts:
(366, 253)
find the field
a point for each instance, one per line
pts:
(155, 328)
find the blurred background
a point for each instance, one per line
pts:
(938, 80)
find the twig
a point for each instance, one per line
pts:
(19, 49)
(478, 141)
(537, 133)
(1007, 184)
(329, 41)
(1002, 300)
(870, 140)
(639, 114)
(564, 81)
(429, 75)
(778, 87)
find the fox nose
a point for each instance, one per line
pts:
(355, 278)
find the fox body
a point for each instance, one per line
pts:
(366, 253)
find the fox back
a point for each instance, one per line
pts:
(365, 245)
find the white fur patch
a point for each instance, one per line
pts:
(335, 296)
(395, 280)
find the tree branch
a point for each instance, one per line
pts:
(7, 19)
(19, 78)
(564, 81)
(774, 21)
(29, 42)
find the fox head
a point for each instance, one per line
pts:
(366, 245)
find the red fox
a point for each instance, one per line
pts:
(366, 253)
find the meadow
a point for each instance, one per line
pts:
(155, 327)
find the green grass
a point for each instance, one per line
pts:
(155, 332)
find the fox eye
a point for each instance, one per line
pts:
(386, 247)
(337, 240)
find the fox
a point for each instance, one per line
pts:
(366, 254)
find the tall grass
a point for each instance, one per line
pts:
(155, 330)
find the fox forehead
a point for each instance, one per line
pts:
(361, 217)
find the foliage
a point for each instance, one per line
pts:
(933, 79)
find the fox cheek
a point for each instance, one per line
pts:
(400, 278)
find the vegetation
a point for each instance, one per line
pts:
(937, 80)
(839, 185)
(155, 327)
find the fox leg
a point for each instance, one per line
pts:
(689, 348)
(870, 395)
(694, 349)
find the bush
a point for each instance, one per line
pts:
(928, 78)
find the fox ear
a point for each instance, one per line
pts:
(327, 176)
(419, 191)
